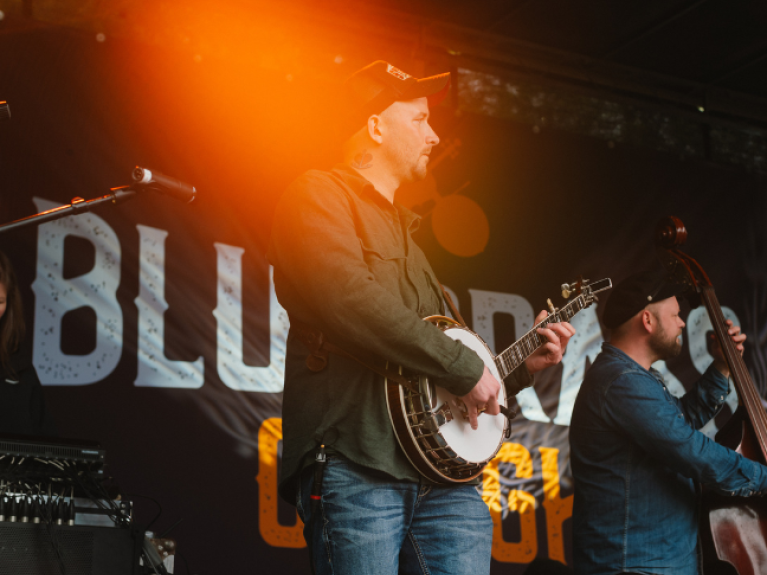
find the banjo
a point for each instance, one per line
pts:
(432, 425)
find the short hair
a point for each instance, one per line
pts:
(12, 322)
(620, 331)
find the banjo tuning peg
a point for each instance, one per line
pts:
(552, 309)
(576, 286)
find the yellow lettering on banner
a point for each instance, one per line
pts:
(557, 509)
(276, 535)
(520, 501)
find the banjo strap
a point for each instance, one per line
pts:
(451, 306)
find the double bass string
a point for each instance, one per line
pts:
(741, 377)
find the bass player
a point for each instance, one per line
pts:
(636, 451)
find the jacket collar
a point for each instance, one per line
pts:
(613, 351)
(362, 187)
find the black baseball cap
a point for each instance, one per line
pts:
(378, 85)
(637, 291)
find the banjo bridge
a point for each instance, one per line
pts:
(432, 420)
(443, 414)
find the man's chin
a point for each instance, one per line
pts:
(668, 349)
(418, 173)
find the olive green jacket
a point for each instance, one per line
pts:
(345, 263)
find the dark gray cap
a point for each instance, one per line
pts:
(637, 291)
(378, 85)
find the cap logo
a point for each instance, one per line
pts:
(396, 72)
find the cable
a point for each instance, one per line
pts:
(96, 493)
(52, 533)
(153, 500)
(169, 529)
(186, 563)
(45, 490)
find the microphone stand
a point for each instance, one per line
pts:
(78, 206)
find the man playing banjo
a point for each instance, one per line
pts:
(353, 281)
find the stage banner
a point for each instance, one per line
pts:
(154, 325)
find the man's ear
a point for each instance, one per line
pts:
(374, 128)
(648, 321)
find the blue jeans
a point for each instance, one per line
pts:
(370, 524)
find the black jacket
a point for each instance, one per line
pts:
(22, 406)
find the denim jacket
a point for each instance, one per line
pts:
(636, 458)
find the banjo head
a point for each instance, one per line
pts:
(431, 424)
(472, 445)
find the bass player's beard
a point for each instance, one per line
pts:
(664, 346)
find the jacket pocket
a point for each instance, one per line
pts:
(386, 263)
(381, 248)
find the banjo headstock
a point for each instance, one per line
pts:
(586, 288)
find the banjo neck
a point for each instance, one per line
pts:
(511, 358)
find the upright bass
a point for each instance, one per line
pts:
(733, 529)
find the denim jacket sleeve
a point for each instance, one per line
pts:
(637, 405)
(706, 398)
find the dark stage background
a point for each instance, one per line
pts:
(151, 326)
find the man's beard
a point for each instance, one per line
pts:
(419, 170)
(416, 172)
(410, 171)
(663, 346)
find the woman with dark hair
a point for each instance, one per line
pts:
(22, 407)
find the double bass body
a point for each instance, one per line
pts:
(733, 530)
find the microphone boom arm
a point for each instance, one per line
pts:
(78, 206)
(143, 178)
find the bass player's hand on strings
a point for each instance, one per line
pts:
(715, 349)
(551, 352)
(483, 397)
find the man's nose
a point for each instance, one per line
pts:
(432, 137)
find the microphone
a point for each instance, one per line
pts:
(5, 111)
(164, 184)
